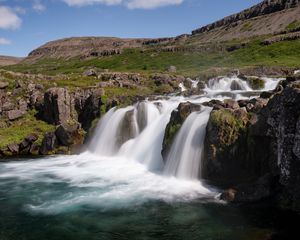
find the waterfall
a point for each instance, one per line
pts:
(184, 158)
(116, 127)
(228, 84)
(134, 132)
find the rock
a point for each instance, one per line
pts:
(7, 106)
(15, 114)
(13, 148)
(232, 104)
(266, 95)
(3, 85)
(49, 144)
(25, 145)
(88, 106)
(201, 85)
(19, 84)
(58, 106)
(178, 117)
(69, 134)
(90, 73)
(224, 147)
(172, 69)
(235, 86)
(250, 192)
(23, 106)
(128, 128)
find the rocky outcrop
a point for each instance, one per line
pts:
(263, 8)
(69, 134)
(255, 153)
(178, 117)
(58, 106)
(88, 106)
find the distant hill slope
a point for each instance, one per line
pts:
(6, 60)
(264, 8)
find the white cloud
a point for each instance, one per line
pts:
(131, 4)
(4, 41)
(38, 6)
(80, 3)
(9, 19)
(150, 4)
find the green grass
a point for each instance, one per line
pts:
(285, 53)
(22, 128)
(293, 25)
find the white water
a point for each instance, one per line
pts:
(121, 170)
(184, 158)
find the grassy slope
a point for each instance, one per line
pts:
(286, 53)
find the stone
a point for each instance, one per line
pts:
(232, 104)
(88, 106)
(58, 106)
(7, 106)
(3, 85)
(69, 134)
(172, 69)
(178, 117)
(49, 144)
(15, 114)
(13, 147)
(90, 73)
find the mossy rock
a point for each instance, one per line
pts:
(256, 83)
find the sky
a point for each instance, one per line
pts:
(27, 24)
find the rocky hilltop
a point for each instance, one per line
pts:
(263, 8)
(268, 18)
(87, 47)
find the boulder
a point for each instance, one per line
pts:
(225, 146)
(172, 69)
(90, 73)
(178, 117)
(13, 148)
(15, 114)
(88, 106)
(69, 134)
(58, 106)
(49, 144)
(3, 85)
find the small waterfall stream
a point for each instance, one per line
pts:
(184, 158)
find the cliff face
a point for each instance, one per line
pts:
(263, 8)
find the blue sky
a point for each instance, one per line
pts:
(27, 24)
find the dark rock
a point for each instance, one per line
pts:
(266, 95)
(224, 146)
(13, 147)
(58, 106)
(15, 114)
(178, 117)
(201, 85)
(69, 134)
(88, 106)
(49, 144)
(235, 86)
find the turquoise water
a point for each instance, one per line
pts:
(86, 198)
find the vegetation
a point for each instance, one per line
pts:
(285, 53)
(293, 25)
(20, 129)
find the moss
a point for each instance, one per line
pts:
(228, 125)
(256, 83)
(20, 129)
(171, 132)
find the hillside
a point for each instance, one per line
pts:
(267, 34)
(6, 60)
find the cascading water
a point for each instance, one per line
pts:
(123, 165)
(184, 158)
